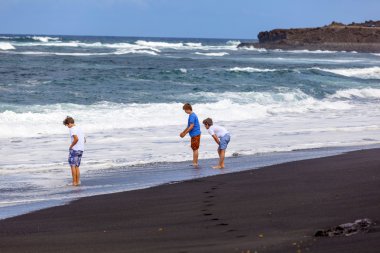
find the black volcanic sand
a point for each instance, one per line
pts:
(275, 209)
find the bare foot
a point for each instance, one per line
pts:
(194, 165)
(217, 167)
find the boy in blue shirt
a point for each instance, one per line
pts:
(194, 130)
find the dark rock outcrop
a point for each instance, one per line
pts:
(360, 37)
(347, 229)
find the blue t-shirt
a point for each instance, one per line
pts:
(193, 119)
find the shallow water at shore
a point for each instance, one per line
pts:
(42, 191)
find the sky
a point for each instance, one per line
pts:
(241, 19)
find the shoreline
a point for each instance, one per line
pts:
(119, 180)
(276, 209)
(358, 37)
(338, 47)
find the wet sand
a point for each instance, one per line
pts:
(274, 209)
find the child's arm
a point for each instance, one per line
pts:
(74, 141)
(187, 130)
(216, 139)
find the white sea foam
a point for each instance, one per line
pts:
(183, 70)
(185, 46)
(6, 37)
(351, 129)
(117, 52)
(305, 51)
(58, 53)
(121, 48)
(192, 44)
(155, 46)
(6, 46)
(227, 106)
(363, 73)
(256, 49)
(44, 38)
(125, 51)
(250, 69)
(212, 54)
(233, 42)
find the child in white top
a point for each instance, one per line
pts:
(76, 148)
(221, 137)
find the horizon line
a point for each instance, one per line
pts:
(124, 36)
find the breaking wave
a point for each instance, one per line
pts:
(250, 70)
(44, 39)
(212, 54)
(363, 73)
(117, 52)
(6, 46)
(156, 46)
(369, 93)
(229, 106)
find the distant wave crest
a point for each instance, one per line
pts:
(6, 46)
(212, 54)
(363, 73)
(44, 38)
(369, 93)
(250, 69)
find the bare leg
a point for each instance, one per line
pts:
(77, 172)
(221, 159)
(195, 157)
(73, 174)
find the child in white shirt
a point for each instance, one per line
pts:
(221, 137)
(76, 148)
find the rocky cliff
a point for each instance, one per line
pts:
(360, 37)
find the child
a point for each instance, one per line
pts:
(221, 137)
(194, 129)
(76, 148)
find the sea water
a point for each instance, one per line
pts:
(127, 95)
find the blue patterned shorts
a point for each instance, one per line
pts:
(75, 157)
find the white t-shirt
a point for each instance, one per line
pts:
(79, 133)
(218, 130)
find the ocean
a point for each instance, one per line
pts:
(127, 93)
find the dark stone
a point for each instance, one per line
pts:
(347, 229)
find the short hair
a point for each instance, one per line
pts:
(68, 120)
(187, 106)
(208, 121)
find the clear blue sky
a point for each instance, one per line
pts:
(176, 18)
